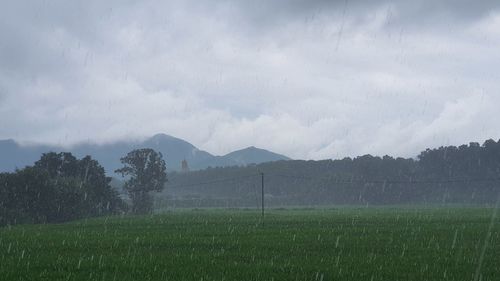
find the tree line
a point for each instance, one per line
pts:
(59, 187)
(467, 174)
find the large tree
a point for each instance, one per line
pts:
(146, 170)
(59, 187)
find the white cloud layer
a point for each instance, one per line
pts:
(309, 79)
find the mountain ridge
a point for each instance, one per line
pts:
(14, 155)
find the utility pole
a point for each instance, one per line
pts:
(262, 185)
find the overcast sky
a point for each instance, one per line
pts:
(309, 79)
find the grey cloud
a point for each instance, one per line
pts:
(268, 14)
(303, 78)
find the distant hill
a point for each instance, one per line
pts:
(253, 155)
(13, 155)
(243, 157)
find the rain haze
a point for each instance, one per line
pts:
(307, 79)
(249, 140)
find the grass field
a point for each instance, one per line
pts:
(328, 244)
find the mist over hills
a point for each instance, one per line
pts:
(174, 150)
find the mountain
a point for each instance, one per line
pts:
(13, 156)
(243, 157)
(255, 155)
(174, 150)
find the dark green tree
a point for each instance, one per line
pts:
(25, 196)
(146, 170)
(58, 165)
(82, 186)
(59, 187)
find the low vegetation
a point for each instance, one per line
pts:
(328, 244)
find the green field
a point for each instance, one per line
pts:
(327, 244)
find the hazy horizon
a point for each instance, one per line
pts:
(142, 139)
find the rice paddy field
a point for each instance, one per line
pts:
(308, 244)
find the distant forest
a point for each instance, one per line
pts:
(467, 174)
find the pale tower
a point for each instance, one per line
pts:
(184, 166)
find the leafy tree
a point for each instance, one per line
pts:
(147, 171)
(82, 184)
(62, 164)
(59, 187)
